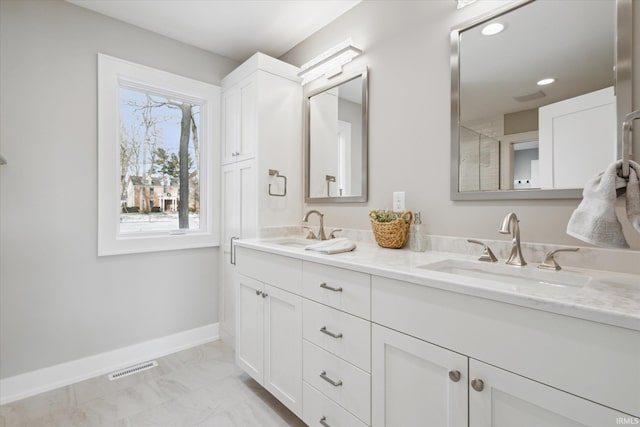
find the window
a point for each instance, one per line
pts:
(157, 148)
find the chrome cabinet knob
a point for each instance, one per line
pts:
(323, 422)
(264, 295)
(477, 385)
(454, 376)
(258, 293)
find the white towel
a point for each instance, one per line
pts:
(333, 246)
(594, 220)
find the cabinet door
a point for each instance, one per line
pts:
(410, 382)
(230, 124)
(230, 223)
(247, 193)
(240, 121)
(227, 302)
(250, 327)
(248, 141)
(508, 400)
(230, 199)
(283, 347)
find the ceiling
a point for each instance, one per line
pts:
(572, 41)
(233, 28)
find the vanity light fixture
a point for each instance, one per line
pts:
(546, 81)
(492, 29)
(329, 63)
(463, 3)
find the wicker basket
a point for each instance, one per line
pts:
(392, 234)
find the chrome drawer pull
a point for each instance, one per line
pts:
(330, 288)
(331, 334)
(455, 376)
(323, 421)
(324, 376)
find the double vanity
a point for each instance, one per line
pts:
(397, 338)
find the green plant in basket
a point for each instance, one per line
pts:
(383, 215)
(390, 229)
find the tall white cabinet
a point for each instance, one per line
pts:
(261, 131)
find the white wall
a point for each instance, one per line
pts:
(406, 45)
(58, 300)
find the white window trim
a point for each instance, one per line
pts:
(111, 72)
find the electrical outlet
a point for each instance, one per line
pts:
(398, 201)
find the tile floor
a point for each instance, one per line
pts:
(199, 387)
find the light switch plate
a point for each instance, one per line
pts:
(398, 201)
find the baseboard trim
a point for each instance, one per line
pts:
(36, 382)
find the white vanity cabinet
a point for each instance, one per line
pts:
(269, 325)
(526, 367)
(415, 383)
(299, 333)
(261, 130)
(351, 349)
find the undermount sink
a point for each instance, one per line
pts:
(292, 242)
(511, 276)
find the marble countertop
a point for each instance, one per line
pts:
(607, 297)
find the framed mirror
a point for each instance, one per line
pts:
(336, 141)
(539, 90)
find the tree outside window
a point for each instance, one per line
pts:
(159, 162)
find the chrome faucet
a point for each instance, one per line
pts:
(515, 257)
(305, 218)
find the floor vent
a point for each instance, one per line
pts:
(132, 370)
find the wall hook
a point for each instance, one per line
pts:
(329, 179)
(273, 172)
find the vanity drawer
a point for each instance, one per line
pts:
(279, 271)
(345, 290)
(342, 382)
(320, 322)
(316, 406)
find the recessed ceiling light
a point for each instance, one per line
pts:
(546, 81)
(492, 29)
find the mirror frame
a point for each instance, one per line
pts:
(363, 197)
(623, 89)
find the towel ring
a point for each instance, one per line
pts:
(273, 172)
(627, 128)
